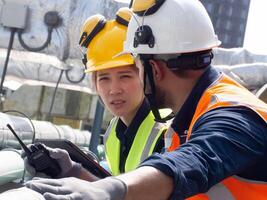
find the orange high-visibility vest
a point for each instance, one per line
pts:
(225, 92)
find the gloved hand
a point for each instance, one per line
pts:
(76, 189)
(68, 167)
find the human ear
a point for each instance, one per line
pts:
(156, 69)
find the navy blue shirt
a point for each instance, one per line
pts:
(126, 134)
(223, 142)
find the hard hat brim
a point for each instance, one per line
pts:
(108, 65)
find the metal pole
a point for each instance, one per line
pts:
(10, 44)
(96, 129)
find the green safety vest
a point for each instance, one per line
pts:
(143, 145)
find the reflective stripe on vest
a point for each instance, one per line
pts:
(115, 150)
(143, 145)
(217, 192)
(225, 92)
(171, 139)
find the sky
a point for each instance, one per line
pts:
(124, 1)
(256, 30)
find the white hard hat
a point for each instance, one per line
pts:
(177, 26)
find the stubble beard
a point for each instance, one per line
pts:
(161, 98)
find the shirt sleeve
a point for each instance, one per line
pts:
(223, 142)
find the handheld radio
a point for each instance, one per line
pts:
(38, 157)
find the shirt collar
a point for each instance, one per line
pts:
(183, 118)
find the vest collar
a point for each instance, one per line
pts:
(123, 131)
(126, 134)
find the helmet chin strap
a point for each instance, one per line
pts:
(150, 91)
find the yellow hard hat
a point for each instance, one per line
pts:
(104, 41)
(91, 26)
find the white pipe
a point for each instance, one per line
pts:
(11, 167)
(43, 130)
(21, 194)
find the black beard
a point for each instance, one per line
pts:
(160, 98)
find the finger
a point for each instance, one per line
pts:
(37, 178)
(47, 181)
(43, 188)
(49, 196)
(73, 196)
(58, 153)
(30, 169)
(23, 153)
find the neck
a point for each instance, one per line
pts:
(180, 97)
(127, 119)
(179, 92)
